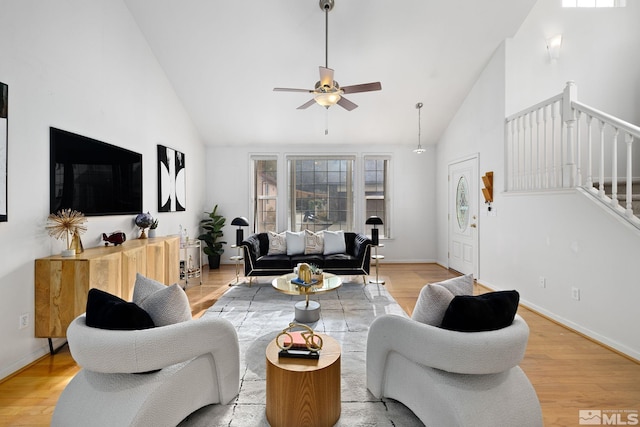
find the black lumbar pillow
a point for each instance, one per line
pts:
(108, 311)
(487, 312)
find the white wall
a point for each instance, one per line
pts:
(83, 67)
(599, 52)
(563, 237)
(412, 192)
(476, 128)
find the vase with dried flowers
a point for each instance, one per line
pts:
(67, 224)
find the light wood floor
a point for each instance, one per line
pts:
(568, 371)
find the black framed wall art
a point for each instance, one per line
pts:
(4, 141)
(172, 183)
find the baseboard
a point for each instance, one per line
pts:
(25, 362)
(586, 333)
(382, 262)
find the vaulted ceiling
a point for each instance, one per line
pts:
(225, 58)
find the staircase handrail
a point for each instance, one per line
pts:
(607, 118)
(553, 145)
(535, 107)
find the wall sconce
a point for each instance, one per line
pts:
(553, 47)
(374, 220)
(240, 222)
(487, 191)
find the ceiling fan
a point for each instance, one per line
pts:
(328, 92)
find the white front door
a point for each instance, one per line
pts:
(463, 216)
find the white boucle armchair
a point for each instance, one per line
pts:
(199, 364)
(450, 378)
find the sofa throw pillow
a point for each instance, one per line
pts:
(277, 243)
(295, 243)
(434, 299)
(334, 242)
(165, 304)
(313, 242)
(107, 311)
(487, 312)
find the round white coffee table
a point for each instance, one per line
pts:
(306, 311)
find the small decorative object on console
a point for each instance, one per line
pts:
(67, 223)
(116, 238)
(153, 227)
(144, 221)
(299, 344)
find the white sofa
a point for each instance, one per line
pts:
(450, 378)
(199, 364)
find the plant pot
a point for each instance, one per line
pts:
(152, 233)
(214, 261)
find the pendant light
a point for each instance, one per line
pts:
(419, 150)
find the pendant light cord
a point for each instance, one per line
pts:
(419, 150)
(419, 105)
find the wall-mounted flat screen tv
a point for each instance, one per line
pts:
(93, 177)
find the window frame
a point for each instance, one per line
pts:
(256, 198)
(351, 212)
(571, 4)
(385, 230)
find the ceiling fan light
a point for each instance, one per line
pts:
(327, 99)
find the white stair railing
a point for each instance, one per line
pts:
(551, 146)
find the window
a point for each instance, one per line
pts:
(265, 193)
(376, 172)
(593, 3)
(321, 193)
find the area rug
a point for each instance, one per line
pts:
(259, 313)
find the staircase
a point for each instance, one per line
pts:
(622, 198)
(560, 144)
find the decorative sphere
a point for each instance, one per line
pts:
(144, 220)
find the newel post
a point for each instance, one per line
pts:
(569, 95)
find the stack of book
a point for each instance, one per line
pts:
(298, 347)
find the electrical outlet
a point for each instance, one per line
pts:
(23, 321)
(542, 281)
(575, 293)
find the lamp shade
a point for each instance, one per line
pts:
(240, 222)
(374, 220)
(327, 99)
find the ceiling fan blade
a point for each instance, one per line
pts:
(326, 76)
(307, 104)
(346, 104)
(365, 87)
(286, 89)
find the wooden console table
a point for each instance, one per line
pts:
(62, 284)
(304, 392)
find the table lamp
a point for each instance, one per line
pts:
(375, 221)
(240, 222)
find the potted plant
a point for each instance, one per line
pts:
(212, 232)
(153, 227)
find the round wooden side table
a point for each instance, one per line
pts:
(304, 392)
